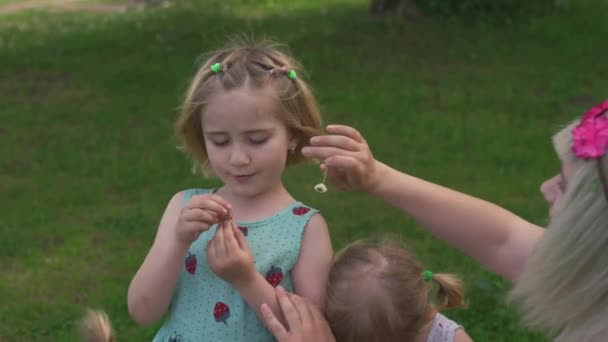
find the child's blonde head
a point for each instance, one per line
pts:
(377, 292)
(258, 66)
(96, 327)
(564, 286)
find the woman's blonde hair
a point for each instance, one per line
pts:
(256, 66)
(563, 288)
(376, 292)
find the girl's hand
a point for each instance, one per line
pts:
(346, 158)
(200, 213)
(229, 256)
(305, 321)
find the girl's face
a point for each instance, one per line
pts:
(554, 188)
(246, 144)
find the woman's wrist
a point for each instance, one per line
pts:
(379, 179)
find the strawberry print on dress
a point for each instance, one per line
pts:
(300, 210)
(274, 276)
(191, 263)
(221, 312)
(244, 230)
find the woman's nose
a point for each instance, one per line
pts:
(550, 190)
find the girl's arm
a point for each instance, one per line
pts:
(461, 336)
(312, 268)
(499, 239)
(152, 286)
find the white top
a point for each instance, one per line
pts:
(443, 329)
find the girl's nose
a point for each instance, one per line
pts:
(239, 157)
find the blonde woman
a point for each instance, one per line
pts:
(560, 274)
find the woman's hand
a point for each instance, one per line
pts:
(346, 157)
(305, 321)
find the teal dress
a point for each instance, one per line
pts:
(206, 308)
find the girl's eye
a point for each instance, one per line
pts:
(219, 143)
(258, 141)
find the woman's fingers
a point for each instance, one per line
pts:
(346, 131)
(289, 310)
(273, 323)
(337, 141)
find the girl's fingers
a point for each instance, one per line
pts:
(210, 202)
(240, 238)
(200, 215)
(219, 200)
(231, 242)
(220, 245)
(211, 252)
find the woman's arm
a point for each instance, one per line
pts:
(499, 239)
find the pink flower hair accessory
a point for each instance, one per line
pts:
(590, 136)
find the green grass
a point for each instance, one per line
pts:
(88, 160)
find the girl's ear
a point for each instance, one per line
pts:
(292, 142)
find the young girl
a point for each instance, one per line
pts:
(380, 292)
(561, 273)
(219, 253)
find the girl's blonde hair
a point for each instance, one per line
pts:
(563, 288)
(255, 66)
(376, 292)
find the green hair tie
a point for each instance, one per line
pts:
(428, 275)
(216, 68)
(292, 74)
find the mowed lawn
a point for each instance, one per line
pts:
(89, 159)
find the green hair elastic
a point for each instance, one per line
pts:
(292, 74)
(427, 275)
(216, 68)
